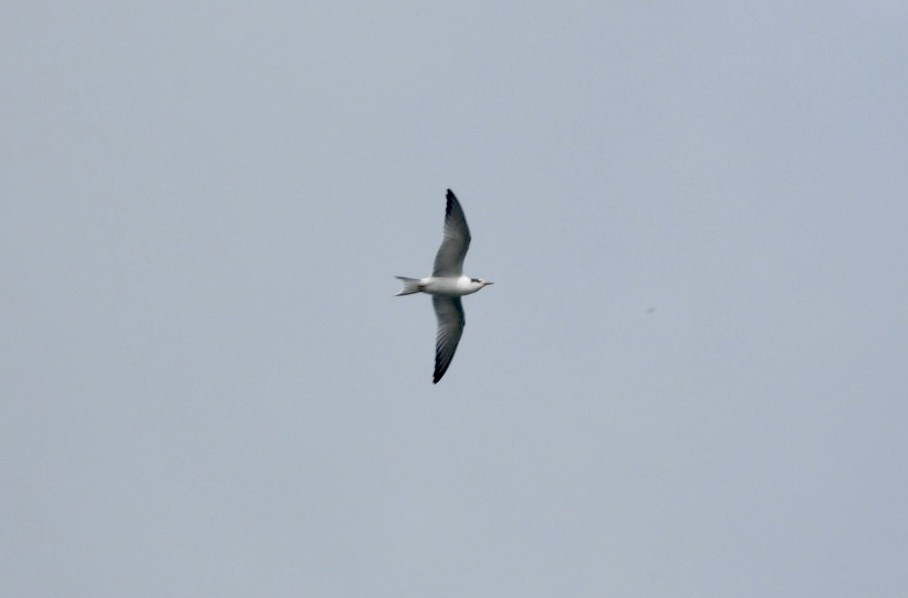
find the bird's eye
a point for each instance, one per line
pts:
(475, 280)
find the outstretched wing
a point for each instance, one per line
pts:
(451, 321)
(449, 259)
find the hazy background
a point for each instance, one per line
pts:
(689, 380)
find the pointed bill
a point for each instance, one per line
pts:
(453, 250)
(451, 321)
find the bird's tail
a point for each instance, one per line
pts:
(411, 285)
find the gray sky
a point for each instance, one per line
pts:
(208, 388)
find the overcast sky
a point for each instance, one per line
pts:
(688, 380)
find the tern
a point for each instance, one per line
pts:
(447, 285)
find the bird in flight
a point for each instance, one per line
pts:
(447, 285)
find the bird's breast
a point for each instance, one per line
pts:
(452, 287)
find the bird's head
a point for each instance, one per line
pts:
(481, 282)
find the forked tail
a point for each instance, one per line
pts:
(411, 285)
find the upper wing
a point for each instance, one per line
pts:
(449, 259)
(451, 321)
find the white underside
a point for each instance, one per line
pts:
(449, 287)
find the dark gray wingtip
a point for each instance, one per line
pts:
(440, 368)
(452, 200)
